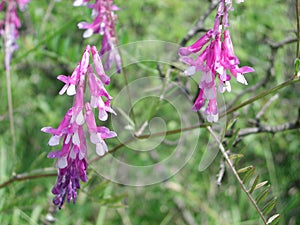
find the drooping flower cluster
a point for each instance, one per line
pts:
(216, 59)
(104, 22)
(72, 158)
(10, 25)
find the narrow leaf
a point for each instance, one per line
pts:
(248, 175)
(261, 184)
(297, 64)
(269, 206)
(245, 169)
(254, 184)
(235, 156)
(263, 195)
(233, 138)
(273, 219)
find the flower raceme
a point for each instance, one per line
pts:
(215, 60)
(10, 25)
(104, 24)
(72, 158)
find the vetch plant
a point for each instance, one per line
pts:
(104, 23)
(10, 25)
(72, 158)
(10, 33)
(216, 59)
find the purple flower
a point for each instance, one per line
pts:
(215, 60)
(72, 158)
(10, 25)
(104, 22)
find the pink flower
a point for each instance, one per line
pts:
(215, 60)
(104, 21)
(72, 158)
(10, 25)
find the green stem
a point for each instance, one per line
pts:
(261, 95)
(156, 102)
(7, 61)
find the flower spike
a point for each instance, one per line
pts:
(72, 158)
(216, 59)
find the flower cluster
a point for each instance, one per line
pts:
(10, 25)
(72, 158)
(104, 22)
(215, 60)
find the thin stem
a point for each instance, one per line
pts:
(8, 53)
(40, 173)
(126, 83)
(261, 95)
(298, 29)
(231, 166)
(157, 102)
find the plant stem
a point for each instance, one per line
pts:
(8, 53)
(298, 29)
(231, 166)
(261, 95)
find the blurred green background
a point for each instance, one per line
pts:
(50, 44)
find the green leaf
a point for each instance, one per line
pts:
(269, 206)
(254, 184)
(297, 66)
(245, 169)
(236, 156)
(263, 195)
(233, 138)
(248, 175)
(113, 201)
(98, 191)
(261, 184)
(273, 219)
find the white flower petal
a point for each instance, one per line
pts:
(88, 33)
(75, 139)
(54, 140)
(102, 115)
(81, 155)
(68, 138)
(228, 86)
(94, 101)
(212, 118)
(73, 154)
(71, 90)
(78, 3)
(99, 149)
(240, 78)
(80, 118)
(95, 138)
(62, 162)
(190, 71)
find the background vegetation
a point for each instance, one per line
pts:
(50, 44)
